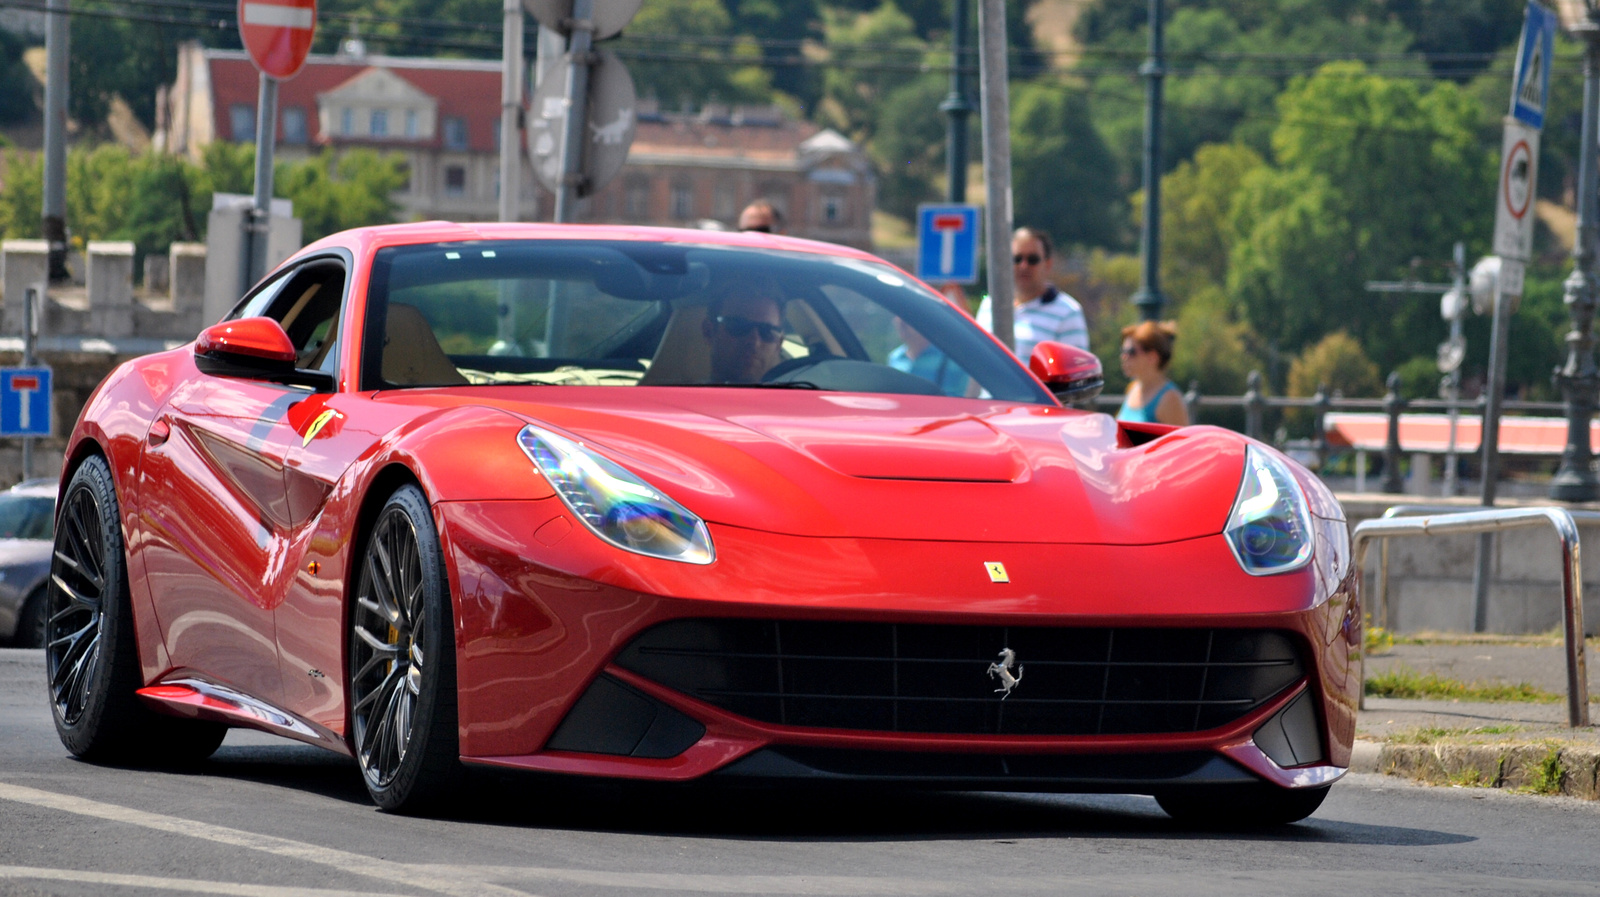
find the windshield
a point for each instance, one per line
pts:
(26, 516)
(623, 313)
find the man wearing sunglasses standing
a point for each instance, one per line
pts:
(1043, 312)
(745, 329)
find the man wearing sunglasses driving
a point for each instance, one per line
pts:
(745, 328)
(1042, 311)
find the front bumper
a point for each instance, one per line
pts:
(544, 612)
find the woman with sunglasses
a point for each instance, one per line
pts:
(1042, 311)
(1151, 397)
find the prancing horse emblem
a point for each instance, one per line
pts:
(1002, 668)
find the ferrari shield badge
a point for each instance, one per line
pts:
(997, 571)
(1001, 669)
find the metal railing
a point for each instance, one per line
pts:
(1256, 406)
(1494, 520)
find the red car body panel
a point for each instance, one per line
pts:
(243, 509)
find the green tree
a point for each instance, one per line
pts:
(332, 193)
(17, 100)
(1066, 178)
(852, 97)
(22, 197)
(1337, 362)
(1369, 174)
(230, 167)
(687, 73)
(909, 149)
(1197, 200)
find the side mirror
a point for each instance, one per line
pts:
(1073, 374)
(254, 349)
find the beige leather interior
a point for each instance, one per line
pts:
(411, 353)
(684, 356)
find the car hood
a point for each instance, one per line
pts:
(813, 463)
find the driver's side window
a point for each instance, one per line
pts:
(306, 301)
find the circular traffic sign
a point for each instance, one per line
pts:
(277, 34)
(608, 16)
(1517, 180)
(609, 122)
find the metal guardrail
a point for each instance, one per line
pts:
(1494, 520)
(1256, 404)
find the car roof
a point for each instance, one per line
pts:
(451, 231)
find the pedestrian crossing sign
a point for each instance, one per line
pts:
(1531, 85)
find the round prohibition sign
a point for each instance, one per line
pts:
(1518, 189)
(277, 34)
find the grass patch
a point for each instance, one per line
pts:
(1547, 778)
(1376, 639)
(1469, 778)
(1434, 734)
(1404, 682)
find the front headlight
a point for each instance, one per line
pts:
(616, 505)
(1270, 527)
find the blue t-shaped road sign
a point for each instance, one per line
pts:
(947, 243)
(1531, 86)
(24, 401)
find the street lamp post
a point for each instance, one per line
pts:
(957, 106)
(1149, 298)
(1578, 377)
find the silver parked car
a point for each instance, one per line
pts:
(27, 517)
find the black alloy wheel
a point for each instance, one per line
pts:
(402, 686)
(91, 654)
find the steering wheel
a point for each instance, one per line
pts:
(792, 365)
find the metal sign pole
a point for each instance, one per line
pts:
(511, 78)
(1494, 394)
(260, 224)
(579, 49)
(995, 115)
(30, 334)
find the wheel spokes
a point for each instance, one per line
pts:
(75, 598)
(387, 656)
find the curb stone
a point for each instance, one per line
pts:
(1548, 768)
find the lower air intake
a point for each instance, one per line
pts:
(928, 678)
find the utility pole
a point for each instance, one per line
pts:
(995, 114)
(511, 81)
(957, 106)
(56, 37)
(1149, 298)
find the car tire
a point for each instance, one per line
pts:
(30, 623)
(91, 654)
(401, 677)
(1242, 806)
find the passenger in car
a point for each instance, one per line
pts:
(915, 355)
(744, 325)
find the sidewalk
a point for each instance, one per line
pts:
(1511, 744)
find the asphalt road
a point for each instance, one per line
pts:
(269, 818)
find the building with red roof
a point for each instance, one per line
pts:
(684, 169)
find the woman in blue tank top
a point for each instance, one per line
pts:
(1151, 396)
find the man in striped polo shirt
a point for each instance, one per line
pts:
(1043, 312)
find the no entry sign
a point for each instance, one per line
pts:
(277, 34)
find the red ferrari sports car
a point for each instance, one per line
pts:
(677, 505)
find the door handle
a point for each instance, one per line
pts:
(159, 431)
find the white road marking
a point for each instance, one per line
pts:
(171, 885)
(275, 16)
(353, 863)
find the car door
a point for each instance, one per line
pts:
(217, 530)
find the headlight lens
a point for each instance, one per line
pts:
(1270, 527)
(616, 505)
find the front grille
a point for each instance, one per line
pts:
(893, 677)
